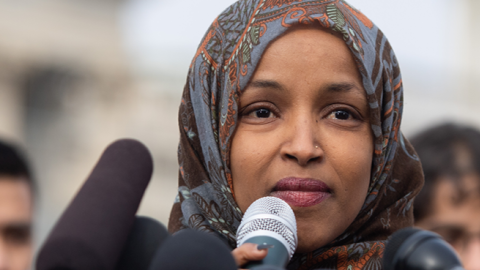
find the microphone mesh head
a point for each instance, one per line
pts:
(273, 215)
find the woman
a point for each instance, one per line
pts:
(301, 100)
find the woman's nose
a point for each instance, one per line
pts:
(300, 142)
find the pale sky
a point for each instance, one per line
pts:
(162, 36)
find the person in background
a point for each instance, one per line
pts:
(449, 203)
(16, 210)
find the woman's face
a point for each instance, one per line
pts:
(304, 134)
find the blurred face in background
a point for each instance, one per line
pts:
(455, 216)
(15, 224)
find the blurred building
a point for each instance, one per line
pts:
(67, 91)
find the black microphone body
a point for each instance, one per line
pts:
(416, 249)
(193, 250)
(93, 230)
(267, 267)
(145, 239)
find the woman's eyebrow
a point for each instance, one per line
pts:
(266, 84)
(340, 87)
(334, 87)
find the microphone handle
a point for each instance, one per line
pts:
(277, 255)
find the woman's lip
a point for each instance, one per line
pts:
(301, 198)
(301, 184)
(301, 192)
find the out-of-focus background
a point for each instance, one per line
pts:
(76, 75)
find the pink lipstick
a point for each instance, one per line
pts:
(301, 192)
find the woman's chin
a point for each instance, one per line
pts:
(314, 234)
(310, 243)
(307, 247)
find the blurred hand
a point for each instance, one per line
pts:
(248, 252)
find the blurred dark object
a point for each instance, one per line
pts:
(93, 230)
(145, 239)
(47, 87)
(189, 249)
(416, 249)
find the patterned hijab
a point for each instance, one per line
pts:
(221, 69)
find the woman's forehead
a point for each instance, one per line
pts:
(307, 57)
(307, 39)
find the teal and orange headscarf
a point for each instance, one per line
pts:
(222, 67)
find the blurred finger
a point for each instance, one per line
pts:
(248, 252)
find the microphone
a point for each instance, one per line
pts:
(416, 249)
(93, 230)
(189, 249)
(271, 222)
(145, 239)
(267, 267)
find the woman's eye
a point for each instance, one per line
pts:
(340, 115)
(261, 113)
